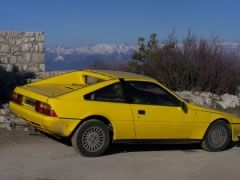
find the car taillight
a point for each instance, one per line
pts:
(17, 98)
(45, 109)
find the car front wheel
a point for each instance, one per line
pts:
(217, 137)
(91, 139)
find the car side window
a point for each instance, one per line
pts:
(149, 93)
(111, 93)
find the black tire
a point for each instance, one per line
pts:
(91, 139)
(217, 137)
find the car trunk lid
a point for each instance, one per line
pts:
(33, 93)
(52, 90)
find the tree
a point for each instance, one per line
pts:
(146, 50)
(140, 54)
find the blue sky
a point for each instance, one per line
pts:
(79, 22)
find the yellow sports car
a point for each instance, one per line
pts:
(96, 108)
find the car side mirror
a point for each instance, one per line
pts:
(184, 106)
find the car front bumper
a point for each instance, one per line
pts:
(235, 132)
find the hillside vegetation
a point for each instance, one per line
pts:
(192, 64)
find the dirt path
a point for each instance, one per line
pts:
(36, 157)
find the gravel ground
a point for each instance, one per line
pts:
(43, 158)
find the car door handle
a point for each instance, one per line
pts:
(142, 112)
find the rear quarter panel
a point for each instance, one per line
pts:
(73, 106)
(119, 114)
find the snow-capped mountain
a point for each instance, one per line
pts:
(233, 47)
(66, 58)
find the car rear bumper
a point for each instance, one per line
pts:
(52, 125)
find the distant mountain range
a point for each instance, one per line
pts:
(68, 58)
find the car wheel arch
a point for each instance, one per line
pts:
(101, 118)
(210, 143)
(219, 119)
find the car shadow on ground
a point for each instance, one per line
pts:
(188, 148)
(235, 144)
(125, 148)
(62, 140)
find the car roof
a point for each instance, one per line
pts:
(121, 74)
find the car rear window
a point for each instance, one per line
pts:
(89, 80)
(111, 93)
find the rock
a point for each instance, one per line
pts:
(2, 119)
(36, 49)
(27, 58)
(6, 106)
(26, 39)
(37, 58)
(4, 60)
(29, 34)
(238, 89)
(198, 100)
(6, 126)
(27, 47)
(208, 99)
(41, 47)
(13, 59)
(208, 102)
(32, 39)
(206, 94)
(5, 48)
(229, 101)
(15, 49)
(26, 129)
(25, 67)
(2, 39)
(9, 67)
(18, 41)
(19, 122)
(18, 48)
(40, 36)
(42, 67)
(33, 131)
(3, 112)
(12, 41)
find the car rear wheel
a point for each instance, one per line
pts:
(91, 139)
(217, 137)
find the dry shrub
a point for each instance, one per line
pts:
(194, 64)
(9, 80)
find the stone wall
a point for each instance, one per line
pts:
(24, 50)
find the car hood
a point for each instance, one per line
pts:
(196, 107)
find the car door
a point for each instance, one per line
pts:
(157, 113)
